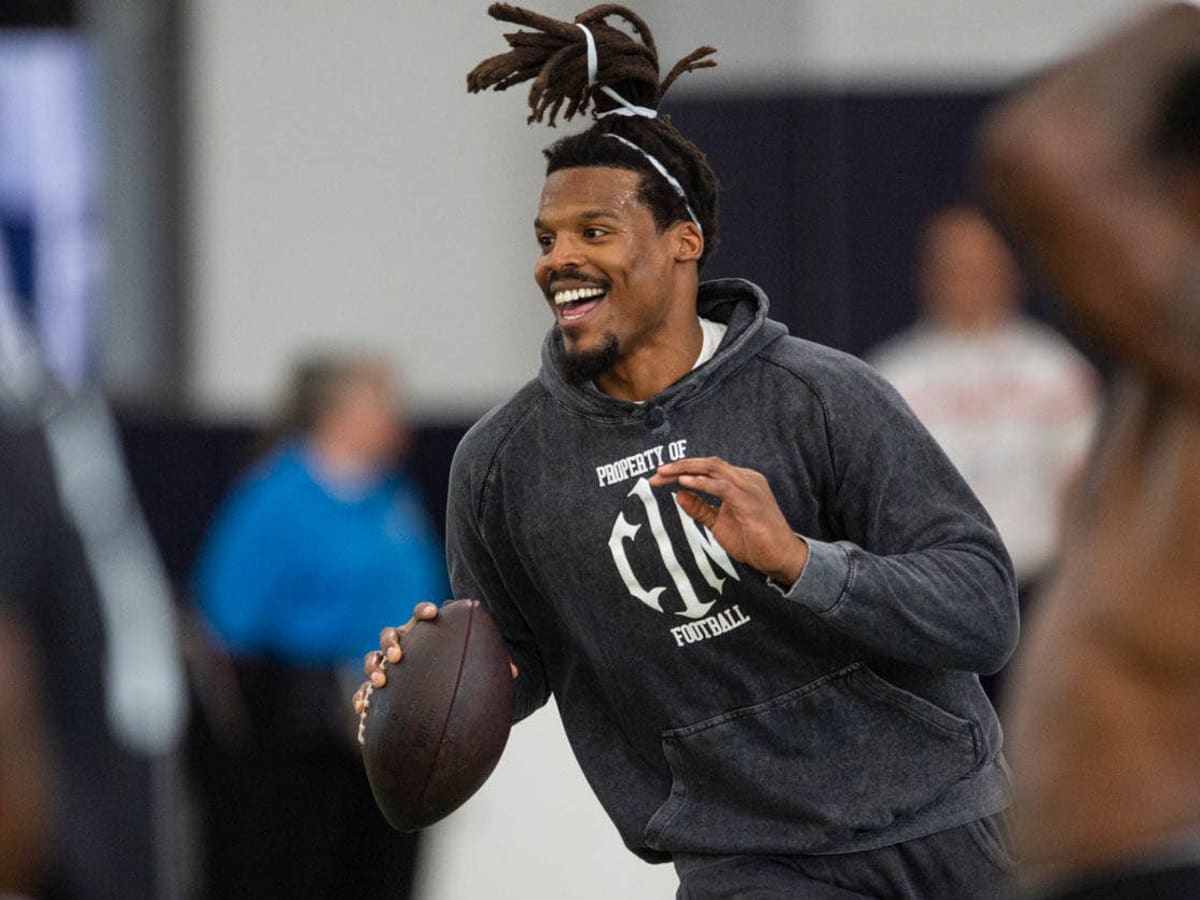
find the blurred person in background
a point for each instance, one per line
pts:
(1095, 167)
(1011, 402)
(321, 544)
(91, 682)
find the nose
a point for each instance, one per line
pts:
(565, 253)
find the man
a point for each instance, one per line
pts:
(1095, 169)
(1010, 401)
(758, 591)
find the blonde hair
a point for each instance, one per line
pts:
(316, 384)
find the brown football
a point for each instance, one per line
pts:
(433, 734)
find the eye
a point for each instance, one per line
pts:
(545, 241)
(593, 233)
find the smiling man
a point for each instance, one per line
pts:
(622, 293)
(758, 592)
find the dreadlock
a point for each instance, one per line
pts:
(555, 56)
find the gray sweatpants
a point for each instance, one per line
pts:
(970, 862)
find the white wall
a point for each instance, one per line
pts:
(855, 42)
(347, 189)
(940, 41)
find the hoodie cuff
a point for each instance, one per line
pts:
(824, 579)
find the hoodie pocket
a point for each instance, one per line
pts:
(818, 769)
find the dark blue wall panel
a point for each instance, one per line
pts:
(823, 196)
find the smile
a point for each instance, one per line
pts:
(563, 298)
(573, 305)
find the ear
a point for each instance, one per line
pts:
(688, 241)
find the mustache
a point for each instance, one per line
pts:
(572, 275)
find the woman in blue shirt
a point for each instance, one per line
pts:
(324, 542)
(319, 546)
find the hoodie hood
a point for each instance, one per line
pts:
(739, 304)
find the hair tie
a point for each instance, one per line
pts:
(593, 66)
(629, 109)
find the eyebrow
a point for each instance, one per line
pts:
(586, 215)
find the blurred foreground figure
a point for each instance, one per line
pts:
(1097, 170)
(1010, 401)
(91, 683)
(322, 544)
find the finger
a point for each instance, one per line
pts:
(374, 667)
(513, 668)
(372, 662)
(389, 636)
(714, 487)
(359, 696)
(697, 465)
(718, 471)
(659, 478)
(704, 513)
(422, 612)
(389, 644)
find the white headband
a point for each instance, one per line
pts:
(662, 170)
(629, 109)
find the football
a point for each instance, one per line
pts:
(433, 734)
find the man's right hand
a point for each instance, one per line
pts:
(389, 652)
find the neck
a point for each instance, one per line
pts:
(338, 461)
(656, 366)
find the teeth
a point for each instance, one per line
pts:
(562, 297)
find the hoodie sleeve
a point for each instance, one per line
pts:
(475, 574)
(918, 572)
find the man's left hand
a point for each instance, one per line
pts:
(748, 522)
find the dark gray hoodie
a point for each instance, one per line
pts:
(710, 712)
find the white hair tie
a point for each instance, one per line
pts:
(629, 109)
(593, 65)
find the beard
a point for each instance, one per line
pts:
(581, 366)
